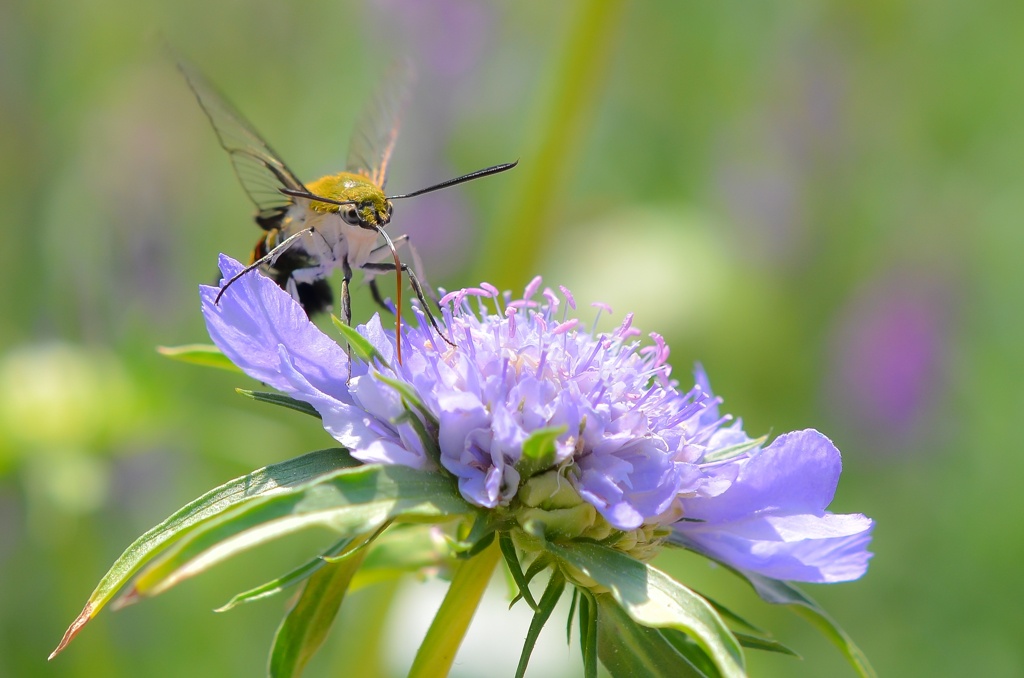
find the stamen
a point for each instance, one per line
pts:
(568, 297)
(566, 326)
(532, 288)
(510, 313)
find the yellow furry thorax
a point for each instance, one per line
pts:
(370, 199)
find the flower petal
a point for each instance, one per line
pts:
(254, 317)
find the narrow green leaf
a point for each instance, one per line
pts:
(280, 399)
(269, 481)
(428, 441)
(362, 347)
(289, 579)
(538, 451)
(782, 593)
(306, 625)
(734, 450)
(572, 611)
(654, 599)
(629, 650)
(436, 654)
(199, 354)
(350, 501)
(588, 632)
(767, 644)
(356, 545)
(548, 600)
(508, 549)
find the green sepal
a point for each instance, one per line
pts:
(289, 579)
(206, 355)
(538, 452)
(734, 450)
(548, 600)
(265, 482)
(361, 346)
(631, 650)
(308, 622)
(281, 400)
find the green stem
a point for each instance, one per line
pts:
(436, 654)
(511, 252)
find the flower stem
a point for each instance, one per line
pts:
(436, 654)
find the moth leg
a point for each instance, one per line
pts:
(375, 293)
(346, 307)
(385, 267)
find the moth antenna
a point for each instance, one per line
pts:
(398, 291)
(479, 174)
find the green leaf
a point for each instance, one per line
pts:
(538, 451)
(265, 482)
(629, 650)
(362, 347)
(779, 592)
(767, 644)
(572, 611)
(588, 632)
(508, 549)
(299, 574)
(547, 605)
(306, 625)
(350, 501)
(654, 599)
(729, 615)
(734, 450)
(437, 652)
(280, 399)
(199, 354)
(694, 653)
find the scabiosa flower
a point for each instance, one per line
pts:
(627, 442)
(622, 425)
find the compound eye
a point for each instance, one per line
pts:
(350, 216)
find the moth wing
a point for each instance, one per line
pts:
(376, 129)
(259, 168)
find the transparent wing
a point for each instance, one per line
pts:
(376, 129)
(260, 170)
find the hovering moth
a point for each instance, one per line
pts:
(333, 222)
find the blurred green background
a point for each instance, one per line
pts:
(822, 201)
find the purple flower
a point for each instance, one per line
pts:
(642, 453)
(770, 516)
(624, 439)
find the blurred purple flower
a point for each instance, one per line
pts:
(887, 358)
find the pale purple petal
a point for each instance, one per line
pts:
(256, 316)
